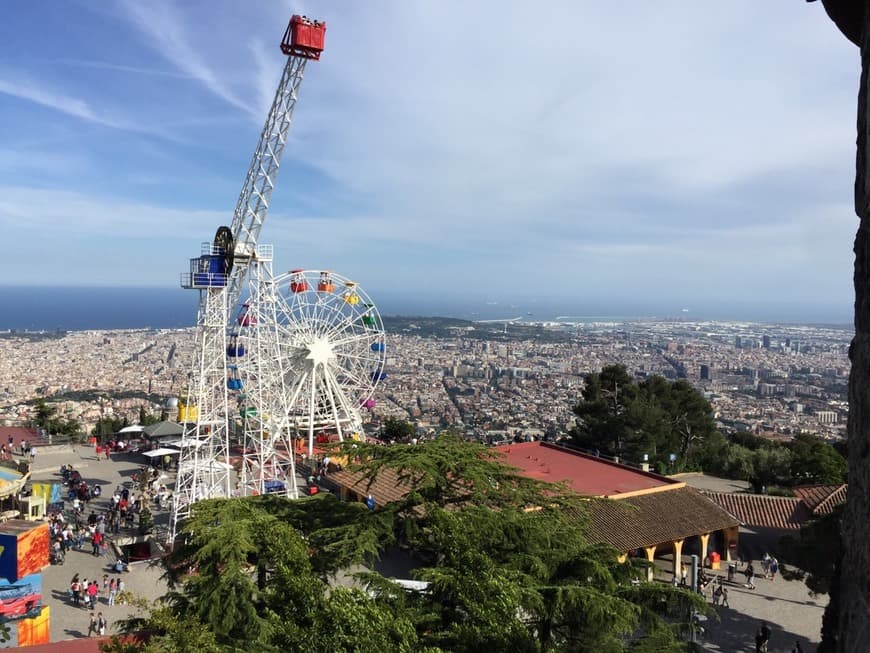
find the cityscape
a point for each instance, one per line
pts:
(609, 399)
(494, 381)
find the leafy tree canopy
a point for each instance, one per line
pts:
(816, 461)
(398, 429)
(620, 417)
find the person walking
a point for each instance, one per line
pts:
(93, 590)
(75, 590)
(92, 625)
(101, 624)
(750, 574)
(725, 598)
(797, 647)
(764, 629)
(113, 591)
(717, 595)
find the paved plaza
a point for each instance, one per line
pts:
(786, 606)
(143, 579)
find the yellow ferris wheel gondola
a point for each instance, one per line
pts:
(350, 295)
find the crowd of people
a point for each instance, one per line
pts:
(87, 593)
(83, 525)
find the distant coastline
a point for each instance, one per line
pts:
(39, 308)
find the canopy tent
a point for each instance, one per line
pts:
(11, 482)
(162, 451)
(136, 428)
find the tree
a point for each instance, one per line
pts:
(604, 420)
(169, 632)
(770, 466)
(46, 418)
(44, 414)
(816, 550)
(108, 425)
(504, 556)
(145, 418)
(398, 430)
(816, 461)
(655, 418)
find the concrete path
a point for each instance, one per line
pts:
(786, 606)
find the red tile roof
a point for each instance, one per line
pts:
(821, 499)
(582, 473)
(18, 434)
(785, 513)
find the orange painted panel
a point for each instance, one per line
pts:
(34, 630)
(33, 551)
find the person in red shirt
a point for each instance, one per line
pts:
(93, 590)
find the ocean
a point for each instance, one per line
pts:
(84, 308)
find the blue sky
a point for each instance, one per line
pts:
(682, 154)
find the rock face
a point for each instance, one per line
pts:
(854, 587)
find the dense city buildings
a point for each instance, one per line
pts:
(493, 380)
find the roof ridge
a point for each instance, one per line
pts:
(829, 503)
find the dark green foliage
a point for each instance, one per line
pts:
(816, 550)
(619, 417)
(46, 418)
(171, 632)
(106, 427)
(398, 429)
(816, 461)
(145, 418)
(748, 440)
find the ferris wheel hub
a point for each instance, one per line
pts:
(320, 351)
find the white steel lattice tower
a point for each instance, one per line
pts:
(220, 274)
(268, 464)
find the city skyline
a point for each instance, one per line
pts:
(680, 155)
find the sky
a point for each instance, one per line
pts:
(680, 155)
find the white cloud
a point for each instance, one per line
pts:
(32, 92)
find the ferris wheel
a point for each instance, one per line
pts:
(327, 353)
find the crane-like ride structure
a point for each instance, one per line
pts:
(220, 274)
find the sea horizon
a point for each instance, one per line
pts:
(83, 308)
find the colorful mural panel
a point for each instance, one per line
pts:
(25, 548)
(21, 598)
(51, 492)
